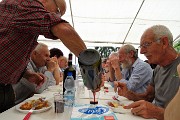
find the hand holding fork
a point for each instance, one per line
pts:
(115, 97)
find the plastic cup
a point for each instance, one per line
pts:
(93, 97)
(59, 103)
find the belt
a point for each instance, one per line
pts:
(4, 85)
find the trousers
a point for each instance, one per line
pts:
(7, 97)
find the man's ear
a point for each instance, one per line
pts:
(34, 52)
(165, 42)
(62, 5)
(131, 53)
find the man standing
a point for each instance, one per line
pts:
(21, 22)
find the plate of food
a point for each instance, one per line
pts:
(117, 107)
(41, 106)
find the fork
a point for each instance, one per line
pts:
(115, 97)
(30, 111)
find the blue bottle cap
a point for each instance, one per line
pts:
(69, 73)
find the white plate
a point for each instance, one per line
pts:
(56, 88)
(17, 107)
(118, 109)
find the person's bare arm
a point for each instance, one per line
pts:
(118, 73)
(57, 76)
(112, 75)
(56, 72)
(70, 38)
(114, 61)
(148, 95)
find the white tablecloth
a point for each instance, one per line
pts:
(12, 113)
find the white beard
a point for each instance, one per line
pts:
(127, 64)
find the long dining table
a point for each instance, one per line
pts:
(81, 97)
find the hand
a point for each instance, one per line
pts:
(55, 60)
(103, 77)
(114, 61)
(37, 78)
(115, 86)
(146, 110)
(99, 88)
(51, 65)
(121, 88)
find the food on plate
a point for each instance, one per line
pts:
(105, 87)
(40, 103)
(114, 104)
(118, 107)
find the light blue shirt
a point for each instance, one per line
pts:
(139, 76)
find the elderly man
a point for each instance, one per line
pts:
(136, 73)
(40, 62)
(157, 45)
(22, 21)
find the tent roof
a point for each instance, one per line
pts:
(120, 21)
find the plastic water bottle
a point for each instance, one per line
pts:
(69, 93)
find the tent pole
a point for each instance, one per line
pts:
(133, 21)
(71, 13)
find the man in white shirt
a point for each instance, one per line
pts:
(40, 62)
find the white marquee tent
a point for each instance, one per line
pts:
(116, 22)
(120, 21)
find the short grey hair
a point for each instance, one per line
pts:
(162, 31)
(128, 48)
(40, 46)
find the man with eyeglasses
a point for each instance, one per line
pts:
(21, 22)
(157, 45)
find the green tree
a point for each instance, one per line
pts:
(106, 51)
(177, 46)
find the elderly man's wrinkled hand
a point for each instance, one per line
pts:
(37, 78)
(114, 62)
(145, 109)
(51, 65)
(121, 88)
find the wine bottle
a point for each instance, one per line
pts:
(69, 71)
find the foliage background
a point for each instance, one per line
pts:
(106, 51)
(177, 46)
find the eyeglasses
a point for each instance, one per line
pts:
(147, 44)
(58, 9)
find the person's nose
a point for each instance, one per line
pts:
(143, 50)
(48, 59)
